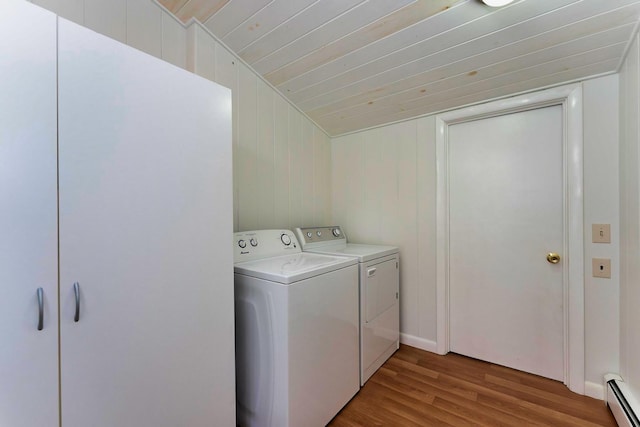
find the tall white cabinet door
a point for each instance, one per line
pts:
(145, 226)
(28, 216)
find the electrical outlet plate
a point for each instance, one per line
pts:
(601, 233)
(601, 267)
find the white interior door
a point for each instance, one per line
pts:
(145, 226)
(506, 214)
(28, 216)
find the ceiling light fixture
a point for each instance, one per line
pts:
(497, 3)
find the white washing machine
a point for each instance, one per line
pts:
(296, 331)
(379, 282)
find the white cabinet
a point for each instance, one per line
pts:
(28, 217)
(145, 217)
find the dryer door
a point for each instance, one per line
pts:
(380, 314)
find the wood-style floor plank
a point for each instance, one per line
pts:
(418, 388)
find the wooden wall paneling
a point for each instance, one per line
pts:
(266, 162)
(538, 34)
(288, 32)
(628, 199)
(339, 178)
(199, 9)
(552, 60)
(321, 179)
(630, 228)
(628, 137)
(387, 25)
(402, 139)
(308, 164)
(312, 82)
(144, 26)
(347, 154)
(407, 234)
(327, 183)
(527, 85)
(632, 338)
(232, 14)
(623, 159)
(632, 373)
(108, 18)
(551, 45)
(527, 79)
(226, 71)
(262, 22)
(426, 231)
(73, 10)
(192, 48)
(248, 205)
(173, 5)
(295, 168)
(205, 54)
(475, 97)
(174, 41)
(361, 47)
(601, 205)
(374, 177)
(436, 36)
(357, 208)
(281, 162)
(388, 190)
(357, 17)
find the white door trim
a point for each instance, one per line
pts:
(570, 98)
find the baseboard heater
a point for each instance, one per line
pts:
(621, 402)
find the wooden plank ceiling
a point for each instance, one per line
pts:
(353, 64)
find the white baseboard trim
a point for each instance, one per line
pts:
(417, 342)
(595, 390)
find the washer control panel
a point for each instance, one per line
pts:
(330, 234)
(258, 244)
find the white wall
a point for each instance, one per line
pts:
(281, 159)
(384, 192)
(601, 206)
(630, 218)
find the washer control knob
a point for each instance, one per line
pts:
(319, 233)
(242, 244)
(309, 234)
(253, 242)
(286, 240)
(336, 232)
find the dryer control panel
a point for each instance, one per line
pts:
(312, 235)
(258, 244)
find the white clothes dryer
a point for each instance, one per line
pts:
(379, 282)
(297, 333)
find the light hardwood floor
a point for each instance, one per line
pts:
(418, 388)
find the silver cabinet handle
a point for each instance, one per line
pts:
(39, 292)
(76, 290)
(371, 272)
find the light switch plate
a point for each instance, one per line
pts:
(601, 267)
(601, 233)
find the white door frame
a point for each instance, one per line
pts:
(570, 98)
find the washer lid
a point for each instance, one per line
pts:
(362, 252)
(292, 268)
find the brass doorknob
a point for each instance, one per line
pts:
(553, 257)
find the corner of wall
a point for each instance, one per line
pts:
(192, 47)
